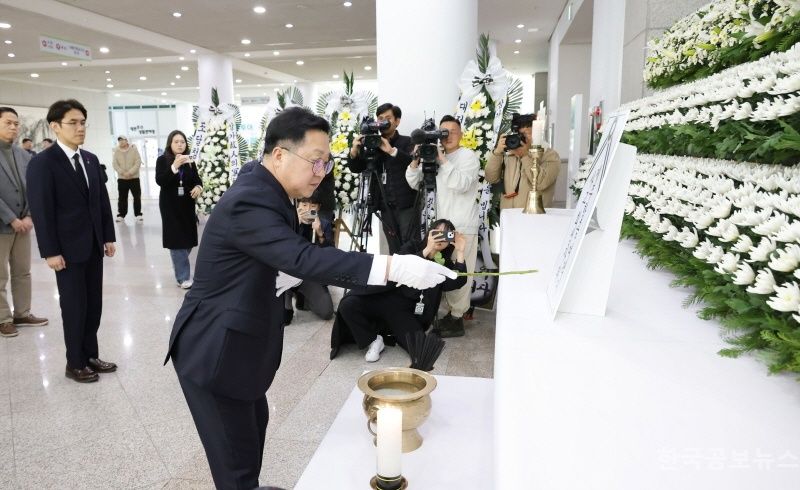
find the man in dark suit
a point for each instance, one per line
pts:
(74, 228)
(227, 339)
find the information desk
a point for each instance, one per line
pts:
(638, 399)
(456, 452)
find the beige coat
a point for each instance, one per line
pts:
(127, 162)
(508, 167)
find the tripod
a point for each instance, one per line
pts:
(427, 203)
(372, 198)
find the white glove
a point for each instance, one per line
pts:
(418, 273)
(285, 282)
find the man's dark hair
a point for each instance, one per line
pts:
(523, 120)
(168, 149)
(3, 110)
(25, 140)
(59, 108)
(48, 140)
(316, 198)
(290, 127)
(389, 106)
(122, 138)
(448, 118)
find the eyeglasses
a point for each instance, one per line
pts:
(318, 166)
(82, 124)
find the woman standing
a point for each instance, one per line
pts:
(180, 186)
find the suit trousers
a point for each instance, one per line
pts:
(368, 315)
(80, 294)
(15, 255)
(458, 301)
(135, 187)
(232, 433)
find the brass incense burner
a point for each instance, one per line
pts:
(404, 388)
(535, 204)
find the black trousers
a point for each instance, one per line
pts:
(366, 315)
(80, 294)
(232, 433)
(313, 296)
(133, 185)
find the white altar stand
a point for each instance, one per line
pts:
(456, 452)
(635, 400)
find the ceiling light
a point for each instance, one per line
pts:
(163, 101)
(518, 41)
(520, 26)
(259, 85)
(11, 55)
(64, 63)
(116, 95)
(300, 62)
(275, 89)
(143, 78)
(178, 77)
(335, 75)
(108, 79)
(108, 71)
(138, 90)
(34, 75)
(294, 81)
(184, 68)
(192, 51)
(276, 53)
(348, 4)
(245, 41)
(368, 68)
(533, 29)
(163, 93)
(110, 85)
(259, 9)
(247, 55)
(289, 26)
(5, 25)
(172, 83)
(176, 14)
(104, 50)
(149, 60)
(9, 41)
(238, 80)
(181, 58)
(516, 52)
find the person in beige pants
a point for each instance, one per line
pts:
(15, 230)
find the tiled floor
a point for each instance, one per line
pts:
(132, 429)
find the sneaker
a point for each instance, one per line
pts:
(8, 330)
(187, 284)
(453, 328)
(119, 219)
(374, 350)
(30, 321)
(140, 219)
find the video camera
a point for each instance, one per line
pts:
(515, 139)
(371, 130)
(428, 137)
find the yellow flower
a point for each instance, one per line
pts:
(476, 105)
(345, 116)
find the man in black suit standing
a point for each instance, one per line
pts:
(74, 228)
(227, 339)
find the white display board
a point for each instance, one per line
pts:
(582, 272)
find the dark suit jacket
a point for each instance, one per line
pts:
(228, 335)
(398, 194)
(68, 220)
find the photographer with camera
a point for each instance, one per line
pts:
(511, 161)
(457, 172)
(391, 157)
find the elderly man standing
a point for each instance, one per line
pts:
(15, 230)
(127, 163)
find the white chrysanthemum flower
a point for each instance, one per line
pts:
(789, 232)
(765, 283)
(744, 274)
(787, 298)
(727, 264)
(671, 235)
(743, 245)
(761, 252)
(786, 260)
(715, 254)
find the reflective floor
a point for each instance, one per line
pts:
(132, 429)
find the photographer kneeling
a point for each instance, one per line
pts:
(512, 165)
(366, 313)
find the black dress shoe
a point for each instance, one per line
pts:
(85, 375)
(102, 366)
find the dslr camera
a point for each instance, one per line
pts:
(428, 137)
(371, 131)
(515, 139)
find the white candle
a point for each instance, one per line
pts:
(537, 132)
(390, 441)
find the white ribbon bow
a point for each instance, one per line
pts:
(495, 79)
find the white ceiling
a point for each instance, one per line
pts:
(328, 37)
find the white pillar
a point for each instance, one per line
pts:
(215, 71)
(419, 72)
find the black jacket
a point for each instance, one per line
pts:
(228, 334)
(178, 214)
(68, 220)
(399, 194)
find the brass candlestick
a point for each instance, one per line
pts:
(535, 203)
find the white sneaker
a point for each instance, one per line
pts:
(140, 219)
(187, 284)
(375, 349)
(119, 219)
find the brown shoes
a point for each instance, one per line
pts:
(85, 375)
(30, 321)
(102, 366)
(8, 330)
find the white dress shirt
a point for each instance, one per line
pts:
(70, 153)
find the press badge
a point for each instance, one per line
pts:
(180, 191)
(419, 308)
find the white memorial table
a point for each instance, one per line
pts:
(456, 452)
